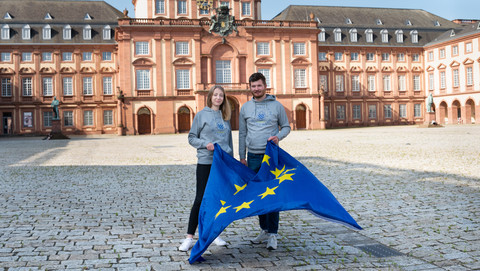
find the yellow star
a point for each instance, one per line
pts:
(265, 159)
(285, 177)
(239, 188)
(222, 210)
(277, 172)
(245, 205)
(269, 191)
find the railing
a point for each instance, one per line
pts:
(227, 86)
(143, 93)
(184, 92)
(200, 22)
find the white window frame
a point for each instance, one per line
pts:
(182, 48)
(456, 78)
(27, 86)
(357, 112)
(384, 33)
(339, 83)
(87, 32)
(87, 56)
(400, 57)
(340, 112)
(468, 47)
(369, 35)
(431, 81)
(415, 57)
(160, 6)
(371, 83)
(183, 79)
(387, 111)
(47, 32)
(441, 53)
(469, 73)
(455, 50)
(142, 48)
(266, 73)
(370, 56)
(338, 56)
(143, 79)
(321, 35)
(414, 36)
(47, 56)
(246, 9)
(299, 48)
(107, 85)
(223, 71)
(402, 83)
(300, 78)
(182, 7)
(353, 35)
(443, 82)
(88, 118)
(322, 56)
(354, 56)
(387, 83)
(68, 118)
(107, 32)
(5, 57)
(67, 86)
(47, 86)
(106, 56)
(87, 85)
(385, 56)
(402, 110)
(337, 33)
(26, 32)
(372, 111)
(416, 82)
(5, 32)
(263, 48)
(399, 34)
(107, 117)
(67, 32)
(67, 56)
(355, 83)
(6, 87)
(417, 110)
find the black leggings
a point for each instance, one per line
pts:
(202, 177)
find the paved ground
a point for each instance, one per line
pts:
(122, 203)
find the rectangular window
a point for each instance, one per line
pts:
(87, 118)
(372, 111)
(354, 56)
(469, 76)
(401, 57)
(326, 112)
(87, 86)
(67, 86)
(68, 118)
(107, 117)
(6, 87)
(431, 81)
(263, 48)
(442, 80)
(67, 56)
(385, 57)
(181, 48)
(183, 79)
(107, 85)
(204, 12)
(300, 78)
(47, 119)
(26, 33)
(67, 33)
(430, 56)
(416, 58)
(87, 56)
(47, 86)
(322, 56)
(386, 83)
(160, 6)
(27, 86)
(468, 47)
(338, 56)
(225, 3)
(107, 56)
(266, 73)
(324, 82)
(355, 83)
(182, 7)
(371, 83)
(141, 48)
(402, 110)
(456, 81)
(417, 112)
(402, 86)
(340, 112)
(387, 111)
(339, 85)
(26, 57)
(223, 71)
(5, 57)
(299, 48)
(107, 33)
(442, 53)
(357, 111)
(416, 82)
(455, 50)
(46, 56)
(370, 56)
(246, 9)
(143, 79)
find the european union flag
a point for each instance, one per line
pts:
(234, 192)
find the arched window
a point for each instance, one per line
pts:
(338, 34)
(384, 34)
(321, 35)
(399, 34)
(5, 32)
(353, 35)
(26, 30)
(47, 32)
(369, 35)
(87, 32)
(414, 36)
(107, 32)
(67, 32)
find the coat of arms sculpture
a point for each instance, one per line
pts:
(223, 23)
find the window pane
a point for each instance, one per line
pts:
(107, 86)
(67, 86)
(300, 78)
(266, 73)
(87, 86)
(183, 79)
(108, 117)
(143, 79)
(27, 86)
(223, 71)
(47, 86)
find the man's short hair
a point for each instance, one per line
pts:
(255, 77)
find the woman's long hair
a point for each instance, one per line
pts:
(224, 107)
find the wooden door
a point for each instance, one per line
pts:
(301, 117)
(144, 124)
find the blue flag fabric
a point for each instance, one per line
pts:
(234, 192)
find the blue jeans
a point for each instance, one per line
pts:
(268, 222)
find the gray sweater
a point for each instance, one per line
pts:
(209, 127)
(259, 121)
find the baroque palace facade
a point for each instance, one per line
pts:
(328, 66)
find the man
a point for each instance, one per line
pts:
(260, 119)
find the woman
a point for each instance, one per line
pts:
(210, 126)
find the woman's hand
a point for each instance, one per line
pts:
(210, 146)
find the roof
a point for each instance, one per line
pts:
(462, 31)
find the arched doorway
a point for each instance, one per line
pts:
(470, 112)
(183, 119)
(456, 112)
(144, 118)
(235, 113)
(443, 114)
(301, 117)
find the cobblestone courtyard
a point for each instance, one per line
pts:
(122, 203)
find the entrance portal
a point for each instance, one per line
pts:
(144, 121)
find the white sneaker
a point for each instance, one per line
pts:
(186, 245)
(219, 242)
(261, 237)
(272, 242)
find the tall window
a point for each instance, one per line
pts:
(266, 73)
(87, 32)
(67, 86)
(183, 79)
(87, 56)
(322, 56)
(223, 70)
(107, 85)
(67, 56)
(469, 76)
(370, 56)
(67, 32)
(369, 35)
(107, 32)
(246, 9)
(88, 118)
(324, 82)
(340, 112)
(263, 48)
(402, 111)
(353, 35)
(47, 32)
(417, 110)
(415, 57)
(68, 118)
(321, 35)
(371, 82)
(400, 57)
(26, 32)
(339, 84)
(27, 86)
(386, 83)
(337, 32)
(441, 53)
(107, 117)
(181, 48)
(399, 34)
(326, 112)
(338, 56)
(355, 83)
(182, 7)
(455, 50)
(47, 86)
(160, 6)
(468, 47)
(141, 48)
(6, 87)
(431, 81)
(47, 119)
(430, 56)
(107, 56)
(372, 111)
(384, 34)
(416, 82)
(442, 80)
(414, 36)
(5, 32)
(456, 82)
(299, 48)
(300, 78)
(402, 86)
(87, 86)
(357, 111)
(387, 111)
(354, 56)
(385, 57)
(143, 79)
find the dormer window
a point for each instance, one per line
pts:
(338, 34)
(7, 16)
(87, 32)
(414, 36)
(47, 32)
(369, 35)
(5, 32)
(107, 32)
(353, 35)
(452, 33)
(348, 21)
(48, 17)
(399, 34)
(26, 30)
(67, 32)
(321, 35)
(87, 17)
(379, 22)
(384, 34)
(408, 22)
(436, 23)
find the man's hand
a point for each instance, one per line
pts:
(243, 161)
(210, 146)
(274, 139)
